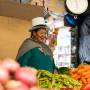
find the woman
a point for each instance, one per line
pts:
(34, 52)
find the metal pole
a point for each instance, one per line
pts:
(20, 1)
(43, 3)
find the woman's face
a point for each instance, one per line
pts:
(41, 35)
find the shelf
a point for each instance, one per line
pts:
(21, 11)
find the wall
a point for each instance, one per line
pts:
(53, 5)
(21, 11)
(12, 33)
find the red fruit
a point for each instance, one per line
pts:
(85, 87)
(27, 76)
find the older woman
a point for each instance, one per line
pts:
(34, 52)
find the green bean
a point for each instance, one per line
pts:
(49, 80)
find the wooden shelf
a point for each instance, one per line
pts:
(21, 11)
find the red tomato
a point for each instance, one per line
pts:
(85, 87)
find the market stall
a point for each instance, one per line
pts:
(15, 77)
(62, 38)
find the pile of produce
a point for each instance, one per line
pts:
(49, 80)
(81, 73)
(14, 77)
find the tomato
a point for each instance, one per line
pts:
(85, 87)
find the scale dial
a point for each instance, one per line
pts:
(77, 6)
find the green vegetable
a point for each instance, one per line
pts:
(64, 70)
(49, 80)
(44, 79)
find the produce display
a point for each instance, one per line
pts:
(81, 73)
(49, 80)
(15, 77)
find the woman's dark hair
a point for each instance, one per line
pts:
(36, 30)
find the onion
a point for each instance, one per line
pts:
(38, 88)
(33, 70)
(10, 64)
(15, 85)
(26, 75)
(4, 75)
(1, 87)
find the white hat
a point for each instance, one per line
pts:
(38, 22)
